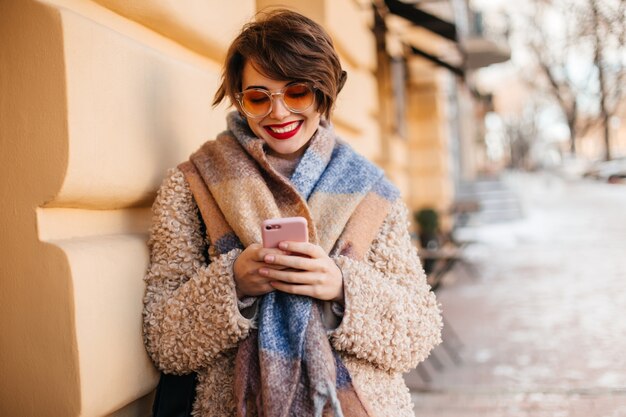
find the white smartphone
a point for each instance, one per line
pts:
(293, 229)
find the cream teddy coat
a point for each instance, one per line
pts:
(192, 321)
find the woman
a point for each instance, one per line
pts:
(324, 327)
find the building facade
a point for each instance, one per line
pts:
(98, 99)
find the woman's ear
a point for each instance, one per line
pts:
(236, 106)
(342, 81)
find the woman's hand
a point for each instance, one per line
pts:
(248, 281)
(315, 274)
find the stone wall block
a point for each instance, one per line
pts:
(204, 26)
(350, 23)
(94, 108)
(38, 362)
(135, 107)
(108, 287)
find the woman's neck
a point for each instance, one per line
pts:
(284, 164)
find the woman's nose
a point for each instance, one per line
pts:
(279, 110)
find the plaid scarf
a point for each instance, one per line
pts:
(288, 368)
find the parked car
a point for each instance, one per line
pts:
(619, 178)
(613, 171)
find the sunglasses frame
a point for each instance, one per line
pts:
(280, 93)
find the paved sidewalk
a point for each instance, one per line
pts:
(543, 323)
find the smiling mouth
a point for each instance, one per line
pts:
(285, 130)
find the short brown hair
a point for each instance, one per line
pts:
(285, 45)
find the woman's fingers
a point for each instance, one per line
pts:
(321, 292)
(297, 289)
(295, 262)
(275, 267)
(298, 268)
(302, 256)
(303, 248)
(247, 279)
(263, 252)
(291, 276)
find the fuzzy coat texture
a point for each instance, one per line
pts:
(191, 319)
(288, 367)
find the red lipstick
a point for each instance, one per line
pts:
(283, 135)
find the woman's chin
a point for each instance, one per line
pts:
(285, 147)
(285, 151)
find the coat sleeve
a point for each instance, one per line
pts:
(190, 307)
(391, 317)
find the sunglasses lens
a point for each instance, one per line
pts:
(298, 97)
(256, 102)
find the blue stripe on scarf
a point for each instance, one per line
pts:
(386, 190)
(227, 243)
(288, 323)
(362, 173)
(343, 375)
(283, 319)
(307, 172)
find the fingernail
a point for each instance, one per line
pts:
(269, 258)
(283, 245)
(264, 271)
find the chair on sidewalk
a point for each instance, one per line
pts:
(438, 260)
(440, 251)
(449, 337)
(451, 342)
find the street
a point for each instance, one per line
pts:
(540, 313)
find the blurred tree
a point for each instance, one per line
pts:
(578, 57)
(521, 132)
(606, 26)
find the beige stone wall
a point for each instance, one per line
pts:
(428, 142)
(422, 163)
(95, 106)
(98, 99)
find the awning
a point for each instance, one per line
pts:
(421, 18)
(476, 51)
(430, 22)
(454, 69)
